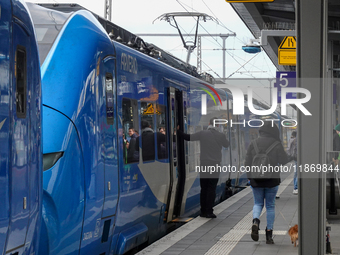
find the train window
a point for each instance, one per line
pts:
(174, 125)
(147, 126)
(109, 98)
(130, 126)
(21, 80)
(161, 124)
(185, 118)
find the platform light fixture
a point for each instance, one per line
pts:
(253, 46)
(252, 49)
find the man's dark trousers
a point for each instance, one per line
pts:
(208, 182)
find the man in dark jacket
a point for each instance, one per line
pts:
(132, 153)
(148, 141)
(266, 189)
(336, 139)
(211, 143)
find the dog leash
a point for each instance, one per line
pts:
(285, 219)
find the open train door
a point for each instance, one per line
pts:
(177, 165)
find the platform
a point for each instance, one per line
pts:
(229, 233)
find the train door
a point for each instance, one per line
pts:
(20, 140)
(177, 166)
(110, 140)
(187, 180)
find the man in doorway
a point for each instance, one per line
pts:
(132, 153)
(132, 133)
(211, 143)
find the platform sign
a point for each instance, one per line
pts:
(249, 1)
(287, 51)
(285, 80)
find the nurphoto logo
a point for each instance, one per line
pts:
(238, 105)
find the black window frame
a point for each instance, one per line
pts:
(109, 112)
(162, 154)
(135, 125)
(21, 111)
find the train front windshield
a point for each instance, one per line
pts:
(47, 23)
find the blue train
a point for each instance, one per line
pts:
(101, 194)
(20, 132)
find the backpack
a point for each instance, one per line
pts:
(262, 159)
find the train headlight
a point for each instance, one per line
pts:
(49, 159)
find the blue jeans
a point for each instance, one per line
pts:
(295, 176)
(268, 194)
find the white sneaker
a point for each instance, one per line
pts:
(295, 192)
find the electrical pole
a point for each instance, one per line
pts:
(108, 9)
(223, 49)
(171, 19)
(199, 54)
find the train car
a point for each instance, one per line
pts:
(244, 129)
(20, 131)
(102, 195)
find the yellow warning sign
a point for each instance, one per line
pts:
(287, 51)
(150, 110)
(289, 42)
(287, 57)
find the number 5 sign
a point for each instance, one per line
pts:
(284, 80)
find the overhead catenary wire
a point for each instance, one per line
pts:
(242, 66)
(182, 5)
(233, 56)
(199, 23)
(220, 23)
(210, 69)
(217, 18)
(265, 60)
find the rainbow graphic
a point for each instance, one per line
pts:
(204, 98)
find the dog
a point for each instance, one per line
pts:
(294, 234)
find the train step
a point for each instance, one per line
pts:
(182, 219)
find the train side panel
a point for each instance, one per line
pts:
(20, 127)
(5, 111)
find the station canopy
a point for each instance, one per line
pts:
(280, 15)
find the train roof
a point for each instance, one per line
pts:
(61, 12)
(50, 19)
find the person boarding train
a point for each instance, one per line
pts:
(211, 143)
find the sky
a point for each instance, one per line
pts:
(141, 17)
